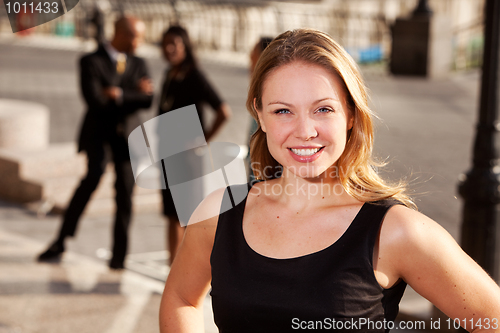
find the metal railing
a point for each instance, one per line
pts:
(234, 26)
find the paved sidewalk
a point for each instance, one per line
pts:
(80, 294)
(425, 132)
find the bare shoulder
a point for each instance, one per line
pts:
(206, 215)
(207, 212)
(201, 228)
(405, 216)
(405, 226)
(409, 237)
(415, 243)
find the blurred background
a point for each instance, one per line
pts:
(232, 27)
(427, 110)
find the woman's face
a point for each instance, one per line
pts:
(305, 118)
(174, 49)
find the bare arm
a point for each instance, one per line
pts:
(421, 252)
(181, 309)
(223, 114)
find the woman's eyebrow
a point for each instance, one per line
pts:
(279, 102)
(327, 98)
(315, 102)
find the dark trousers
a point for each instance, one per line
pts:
(124, 185)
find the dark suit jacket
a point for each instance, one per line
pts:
(105, 118)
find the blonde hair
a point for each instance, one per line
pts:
(358, 174)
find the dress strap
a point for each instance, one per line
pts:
(369, 222)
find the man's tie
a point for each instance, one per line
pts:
(121, 63)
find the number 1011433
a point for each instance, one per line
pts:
(31, 7)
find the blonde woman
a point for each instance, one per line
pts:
(323, 242)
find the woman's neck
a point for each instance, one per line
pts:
(308, 193)
(175, 71)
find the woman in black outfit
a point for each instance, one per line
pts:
(323, 242)
(185, 85)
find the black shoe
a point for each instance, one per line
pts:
(52, 254)
(116, 265)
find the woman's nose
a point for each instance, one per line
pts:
(305, 128)
(170, 48)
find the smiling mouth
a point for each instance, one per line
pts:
(305, 152)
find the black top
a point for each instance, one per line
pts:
(254, 293)
(190, 87)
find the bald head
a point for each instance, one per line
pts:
(129, 33)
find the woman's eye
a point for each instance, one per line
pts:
(325, 110)
(282, 111)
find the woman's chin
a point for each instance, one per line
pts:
(306, 172)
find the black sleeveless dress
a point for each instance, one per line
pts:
(334, 288)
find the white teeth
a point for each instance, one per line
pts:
(305, 152)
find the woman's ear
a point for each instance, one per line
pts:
(259, 114)
(350, 116)
(350, 121)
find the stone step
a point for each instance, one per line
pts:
(57, 192)
(143, 203)
(47, 178)
(57, 160)
(64, 187)
(18, 190)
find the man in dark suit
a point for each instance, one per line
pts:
(115, 85)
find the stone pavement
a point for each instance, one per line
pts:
(80, 294)
(425, 132)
